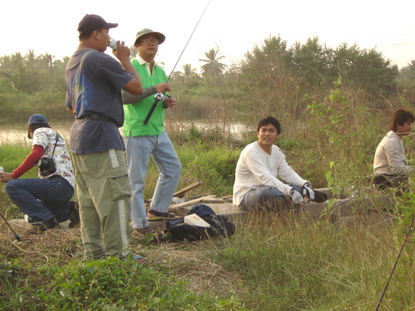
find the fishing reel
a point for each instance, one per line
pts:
(160, 97)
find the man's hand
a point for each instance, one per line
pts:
(169, 102)
(296, 197)
(5, 177)
(308, 191)
(162, 88)
(122, 52)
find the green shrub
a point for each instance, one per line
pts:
(111, 284)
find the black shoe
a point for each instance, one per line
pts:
(43, 226)
(74, 219)
(320, 197)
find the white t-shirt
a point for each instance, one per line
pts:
(46, 137)
(257, 168)
(390, 156)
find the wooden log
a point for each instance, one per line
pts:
(205, 199)
(182, 192)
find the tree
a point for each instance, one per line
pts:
(212, 67)
(267, 80)
(406, 77)
(312, 63)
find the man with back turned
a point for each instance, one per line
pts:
(94, 81)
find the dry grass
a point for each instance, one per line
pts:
(189, 261)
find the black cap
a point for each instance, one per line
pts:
(92, 22)
(37, 119)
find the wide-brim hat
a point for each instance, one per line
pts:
(147, 31)
(92, 22)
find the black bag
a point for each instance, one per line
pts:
(47, 165)
(220, 226)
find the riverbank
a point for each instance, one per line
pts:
(16, 134)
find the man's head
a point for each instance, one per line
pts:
(95, 29)
(268, 131)
(36, 121)
(401, 121)
(269, 120)
(147, 42)
(91, 22)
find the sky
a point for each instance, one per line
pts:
(233, 26)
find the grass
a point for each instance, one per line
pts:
(315, 267)
(319, 266)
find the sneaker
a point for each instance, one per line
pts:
(74, 219)
(43, 226)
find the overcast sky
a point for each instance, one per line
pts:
(235, 26)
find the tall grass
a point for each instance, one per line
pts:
(319, 266)
(315, 267)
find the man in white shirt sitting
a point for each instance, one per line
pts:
(260, 165)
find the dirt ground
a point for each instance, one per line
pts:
(189, 261)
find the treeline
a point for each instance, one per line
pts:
(31, 84)
(270, 79)
(277, 79)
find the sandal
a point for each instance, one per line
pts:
(153, 215)
(143, 231)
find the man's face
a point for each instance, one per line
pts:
(267, 135)
(103, 38)
(148, 45)
(404, 129)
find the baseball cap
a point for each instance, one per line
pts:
(147, 31)
(37, 119)
(92, 22)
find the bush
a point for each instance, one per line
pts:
(110, 284)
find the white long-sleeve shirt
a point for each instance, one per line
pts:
(390, 156)
(257, 168)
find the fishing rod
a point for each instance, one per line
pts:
(396, 262)
(159, 96)
(16, 236)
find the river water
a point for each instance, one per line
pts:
(17, 134)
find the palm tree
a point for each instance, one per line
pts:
(188, 71)
(212, 66)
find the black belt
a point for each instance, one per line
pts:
(96, 116)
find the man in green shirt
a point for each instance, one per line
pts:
(149, 139)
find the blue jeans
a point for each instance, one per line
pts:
(42, 199)
(267, 198)
(139, 150)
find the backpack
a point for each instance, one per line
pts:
(220, 226)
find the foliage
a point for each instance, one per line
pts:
(107, 284)
(344, 130)
(317, 267)
(406, 76)
(276, 77)
(203, 159)
(31, 84)
(330, 132)
(10, 158)
(213, 67)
